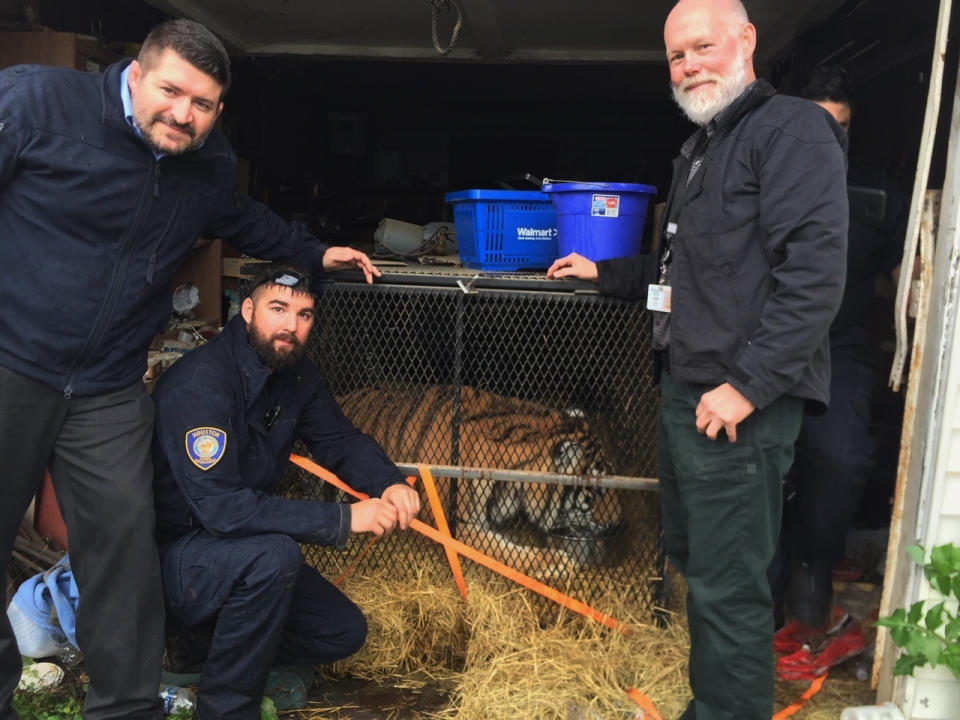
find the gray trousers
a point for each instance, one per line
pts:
(98, 452)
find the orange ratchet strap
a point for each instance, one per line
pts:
(435, 505)
(811, 691)
(475, 555)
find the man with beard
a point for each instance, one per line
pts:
(106, 182)
(227, 417)
(750, 274)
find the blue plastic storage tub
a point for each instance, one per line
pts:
(600, 220)
(504, 229)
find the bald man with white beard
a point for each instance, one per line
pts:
(747, 279)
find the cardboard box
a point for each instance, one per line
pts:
(234, 267)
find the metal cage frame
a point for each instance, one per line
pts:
(475, 375)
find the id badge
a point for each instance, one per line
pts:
(658, 298)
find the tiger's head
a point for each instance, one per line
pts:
(584, 509)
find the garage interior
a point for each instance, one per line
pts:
(345, 113)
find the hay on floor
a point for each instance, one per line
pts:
(505, 658)
(572, 667)
(417, 626)
(504, 655)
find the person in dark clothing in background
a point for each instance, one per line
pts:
(106, 183)
(750, 276)
(227, 417)
(836, 451)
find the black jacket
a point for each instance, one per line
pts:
(878, 223)
(93, 227)
(759, 258)
(223, 387)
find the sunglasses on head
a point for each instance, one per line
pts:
(288, 278)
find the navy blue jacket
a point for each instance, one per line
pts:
(759, 259)
(93, 227)
(223, 386)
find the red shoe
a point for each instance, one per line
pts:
(805, 672)
(842, 647)
(788, 639)
(795, 635)
(805, 664)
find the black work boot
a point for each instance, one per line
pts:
(809, 593)
(185, 651)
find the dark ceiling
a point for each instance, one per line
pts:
(336, 98)
(527, 31)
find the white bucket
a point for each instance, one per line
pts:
(887, 711)
(32, 640)
(40, 676)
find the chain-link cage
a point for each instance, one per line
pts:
(537, 398)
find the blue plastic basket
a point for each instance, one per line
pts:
(505, 229)
(600, 220)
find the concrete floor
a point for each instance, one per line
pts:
(367, 700)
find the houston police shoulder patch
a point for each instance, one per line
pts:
(205, 446)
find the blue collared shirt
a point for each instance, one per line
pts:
(128, 107)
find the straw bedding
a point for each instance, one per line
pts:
(505, 655)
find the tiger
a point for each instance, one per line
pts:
(504, 433)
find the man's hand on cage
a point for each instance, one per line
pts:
(405, 500)
(338, 257)
(373, 515)
(722, 408)
(573, 265)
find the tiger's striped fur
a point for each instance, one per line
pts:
(495, 432)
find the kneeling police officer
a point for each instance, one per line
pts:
(227, 417)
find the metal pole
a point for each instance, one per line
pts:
(615, 482)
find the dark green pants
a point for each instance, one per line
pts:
(721, 505)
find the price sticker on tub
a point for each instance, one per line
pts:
(605, 206)
(658, 297)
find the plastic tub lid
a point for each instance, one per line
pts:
(507, 195)
(602, 186)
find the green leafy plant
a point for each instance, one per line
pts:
(59, 704)
(40, 706)
(62, 703)
(930, 636)
(267, 710)
(66, 703)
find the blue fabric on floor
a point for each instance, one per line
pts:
(50, 600)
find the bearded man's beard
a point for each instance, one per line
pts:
(269, 355)
(190, 143)
(704, 105)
